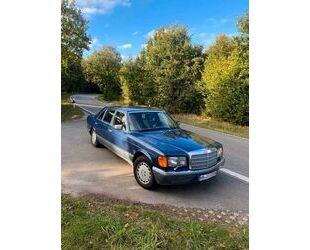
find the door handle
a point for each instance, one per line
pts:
(110, 130)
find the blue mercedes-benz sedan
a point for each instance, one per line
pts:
(154, 144)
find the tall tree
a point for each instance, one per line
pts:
(132, 78)
(74, 40)
(102, 68)
(173, 67)
(226, 77)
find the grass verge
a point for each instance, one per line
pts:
(68, 112)
(210, 123)
(89, 223)
(202, 121)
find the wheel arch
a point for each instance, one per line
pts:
(141, 153)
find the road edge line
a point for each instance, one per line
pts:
(235, 175)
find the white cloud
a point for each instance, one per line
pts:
(202, 34)
(143, 45)
(90, 7)
(90, 11)
(135, 33)
(150, 34)
(125, 46)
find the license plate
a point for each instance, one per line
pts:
(206, 176)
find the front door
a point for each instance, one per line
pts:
(119, 135)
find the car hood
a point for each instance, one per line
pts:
(176, 141)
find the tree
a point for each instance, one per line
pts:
(132, 81)
(226, 77)
(73, 41)
(102, 68)
(172, 66)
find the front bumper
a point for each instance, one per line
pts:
(183, 177)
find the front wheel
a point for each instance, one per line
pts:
(143, 173)
(93, 139)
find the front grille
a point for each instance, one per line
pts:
(206, 160)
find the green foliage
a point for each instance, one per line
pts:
(73, 41)
(166, 73)
(174, 66)
(102, 69)
(226, 77)
(243, 24)
(132, 81)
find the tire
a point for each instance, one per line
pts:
(94, 139)
(143, 173)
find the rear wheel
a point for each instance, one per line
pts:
(94, 139)
(143, 173)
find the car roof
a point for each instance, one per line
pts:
(134, 109)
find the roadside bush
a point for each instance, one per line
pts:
(229, 102)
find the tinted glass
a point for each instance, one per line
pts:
(108, 115)
(150, 121)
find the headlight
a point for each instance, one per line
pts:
(177, 161)
(220, 152)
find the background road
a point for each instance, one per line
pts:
(86, 169)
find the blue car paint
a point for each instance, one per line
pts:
(172, 142)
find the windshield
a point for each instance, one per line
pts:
(150, 120)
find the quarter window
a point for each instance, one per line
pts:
(108, 115)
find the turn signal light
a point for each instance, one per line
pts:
(162, 161)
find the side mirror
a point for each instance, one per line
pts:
(118, 127)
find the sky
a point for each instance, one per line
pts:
(128, 24)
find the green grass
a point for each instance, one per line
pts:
(210, 123)
(88, 223)
(201, 121)
(68, 112)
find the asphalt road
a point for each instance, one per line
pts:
(86, 169)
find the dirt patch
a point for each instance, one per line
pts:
(227, 218)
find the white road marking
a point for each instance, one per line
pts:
(88, 105)
(235, 175)
(87, 111)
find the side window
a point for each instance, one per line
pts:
(99, 117)
(108, 115)
(119, 119)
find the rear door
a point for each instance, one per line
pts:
(104, 127)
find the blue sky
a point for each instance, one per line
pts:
(127, 24)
